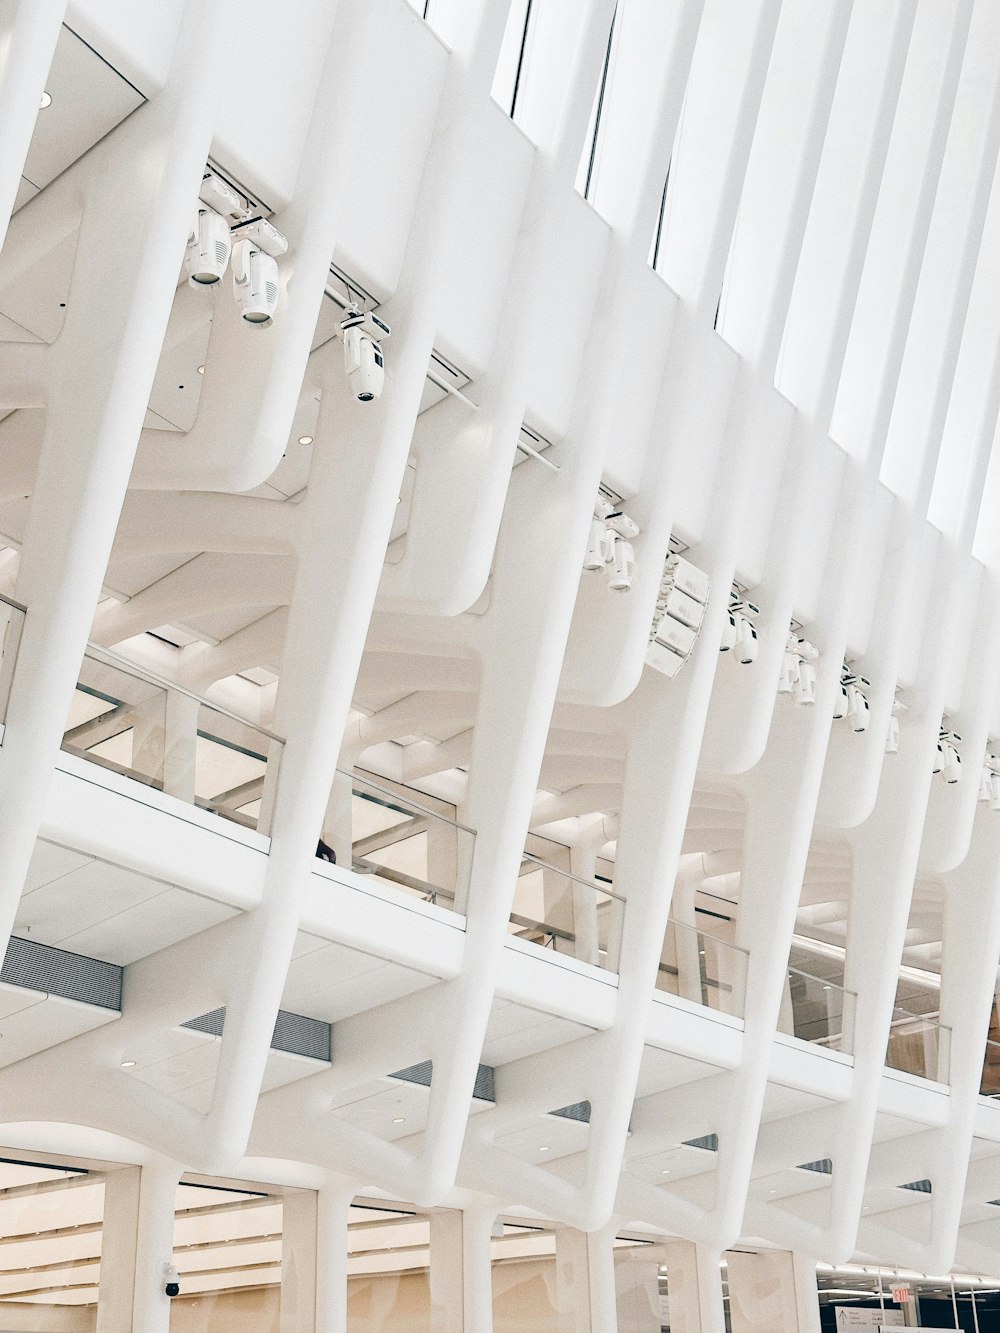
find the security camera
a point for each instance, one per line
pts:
(255, 284)
(208, 250)
(622, 566)
(364, 365)
(171, 1286)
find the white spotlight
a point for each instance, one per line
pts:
(857, 709)
(951, 768)
(805, 688)
(622, 566)
(255, 284)
(208, 250)
(745, 647)
(594, 559)
(364, 365)
(892, 736)
(728, 633)
(790, 666)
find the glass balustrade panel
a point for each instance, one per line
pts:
(143, 727)
(567, 914)
(818, 1010)
(394, 834)
(919, 1044)
(701, 968)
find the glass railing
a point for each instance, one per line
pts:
(569, 915)
(136, 723)
(919, 1044)
(818, 1010)
(698, 967)
(397, 837)
(11, 623)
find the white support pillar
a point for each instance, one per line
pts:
(585, 1281)
(131, 244)
(180, 747)
(137, 1241)
(333, 1209)
(120, 1229)
(27, 44)
(462, 1270)
(637, 1279)
(299, 1256)
(694, 1288)
(772, 1289)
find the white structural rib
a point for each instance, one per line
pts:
(769, 334)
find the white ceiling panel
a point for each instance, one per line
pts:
(89, 99)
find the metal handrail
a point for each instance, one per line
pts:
(130, 668)
(586, 883)
(932, 1020)
(387, 791)
(822, 981)
(725, 944)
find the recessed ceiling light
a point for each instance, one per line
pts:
(305, 439)
(128, 1064)
(46, 101)
(543, 1149)
(772, 1191)
(665, 1171)
(201, 370)
(399, 1120)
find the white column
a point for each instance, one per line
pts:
(27, 47)
(119, 1231)
(462, 1270)
(637, 1278)
(131, 243)
(299, 1254)
(694, 1288)
(772, 1289)
(586, 1281)
(333, 1208)
(180, 745)
(154, 1247)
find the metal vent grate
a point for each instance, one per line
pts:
(823, 1167)
(707, 1143)
(421, 1074)
(575, 1111)
(294, 1033)
(72, 975)
(919, 1186)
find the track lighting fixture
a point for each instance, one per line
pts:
(947, 760)
(208, 249)
(255, 284)
(739, 633)
(364, 361)
(609, 546)
(679, 612)
(852, 701)
(798, 675)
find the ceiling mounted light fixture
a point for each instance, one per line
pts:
(45, 100)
